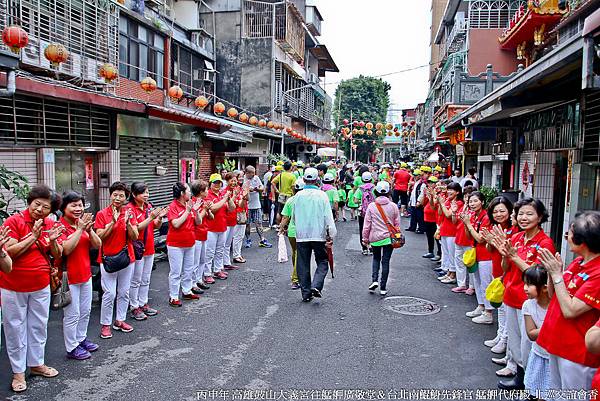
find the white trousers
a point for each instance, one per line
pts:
(517, 344)
(199, 261)
(461, 269)
(77, 314)
(215, 245)
(448, 249)
(568, 375)
(501, 333)
(238, 238)
(483, 278)
(25, 321)
(115, 285)
(140, 281)
(181, 267)
(228, 244)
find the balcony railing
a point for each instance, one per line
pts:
(457, 36)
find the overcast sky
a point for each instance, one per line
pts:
(377, 37)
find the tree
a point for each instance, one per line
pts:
(368, 99)
(14, 186)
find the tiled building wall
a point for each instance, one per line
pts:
(23, 162)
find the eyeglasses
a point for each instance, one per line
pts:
(567, 235)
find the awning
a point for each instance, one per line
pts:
(248, 130)
(592, 23)
(326, 152)
(326, 63)
(497, 112)
(230, 135)
(198, 119)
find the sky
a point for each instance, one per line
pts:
(377, 37)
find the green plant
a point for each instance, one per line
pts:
(227, 165)
(488, 193)
(273, 158)
(15, 187)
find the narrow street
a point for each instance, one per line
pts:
(251, 332)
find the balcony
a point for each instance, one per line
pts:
(457, 36)
(87, 28)
(313, 20)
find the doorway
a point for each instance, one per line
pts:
(559, 198)
(77, 171)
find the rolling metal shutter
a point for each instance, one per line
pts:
(139, 158)
(591, 129)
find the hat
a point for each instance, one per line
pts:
(403, 165)
(417, 172)
(425, 169)
(215, 177)
(280, 163)
(299, 184)
(294, 164)
(300, 163)
(328, 164)
(438, 168)
(311, 174)
(328, 178)
(367, 176)
(383, 187)
(278, 168)
(433, 179)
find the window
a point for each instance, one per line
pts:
(486, 14)
(141, 52)
(188, 71)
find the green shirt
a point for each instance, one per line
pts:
(288, 211)
(299, 173)
(383, 176)
(358, 182)
(351, 201)
(383, 242)
(333, 196)
(285, 183)
(342, 195)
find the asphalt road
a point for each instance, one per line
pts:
(252, 333)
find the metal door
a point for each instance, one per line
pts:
(78, 171)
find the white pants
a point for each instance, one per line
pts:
(448, 249)
(228, 243)
(461, 269)
(181, 267)
(140, 281)
(199, 261)
(238, 237)
(115, 285)
(517, 344)
(483, 278)
(568, 375)
(215, 245)
(25, 326)
(501, 333)
(77, 314)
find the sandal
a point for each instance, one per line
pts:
(239, 260)
(44, 371)
(18, 386)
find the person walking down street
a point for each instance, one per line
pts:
(117, 228)
(288, 223)
(25, 242)
(331, 191)
(78, 239)
(315, 229)
(415, 203)
(255, 189)
(376, 233)
(283, 185)
(364, 196)
(401, 179)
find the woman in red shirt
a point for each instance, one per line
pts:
(117, 228)
(448, 225)
(148, 220)
(575, 306)
(592, 343)
(465, 282)
(183, 215)
(518, 254)
(26, 288)
(199, 190)
(241, 220)
(217, 226)
(237, 199)
(78, 239)
(430, 216)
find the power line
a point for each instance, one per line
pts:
(388, 73)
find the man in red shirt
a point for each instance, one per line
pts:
(400, 194)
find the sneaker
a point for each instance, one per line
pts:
(175, 303)
(197, 290)
(191, 297)
(500, 347)
(443, 277)
(105, 331)
(221, 276)
(295, 286)
(122, 326)
(436, 258)
(231, 267)
(138, 314)
(500, 361)
(310, 298)
(373, 286)
(383, 292)
(484, 318)
(265, 244)
(491, 343)
(470, 291)
(365, 252)
(89, 346)
(78, 353)
(428, 255)
(475, 312)
(202, 286)
(209, 280)
(316, 293)
(458, 290)
(505, 372)
(149, 311)
(248, 243)
(448, 280)
(369, 252)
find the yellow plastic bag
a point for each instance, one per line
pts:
(495, 292)
(470, 257)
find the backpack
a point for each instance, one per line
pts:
(368, 197)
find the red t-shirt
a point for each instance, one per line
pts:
(448, 228)
(462, 238)
(78, 262)
(200, 230)
(231, 216)
(430, 214)
(514, 294)
(30, 271)
(141, 215)
(401, 179)
(219, 223)
(566, 337)
(596, 379)
(113, 244)
(181, 237)
(482, 222)
(497, 270)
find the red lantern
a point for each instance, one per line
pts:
(148, 85)
(413, 123)
(232, 112)
(175, 92)
(270, 125)
(389, 126)
(201, 102)
(379, 132)
(355, 123)
(289, 130)
(253, 120)
(262, 123)
(244, 117)
(404, 123)
(397, 133)
(345, 121)
(361, 132)
(395, 129)
(379, 126)
(361, 124)
(390, 133)
(56, 54)
(15, 37)
(369, 132)
(219, 108)
(108, 72)
(369, 126)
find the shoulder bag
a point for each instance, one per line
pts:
(115, 263)
(139, 246)
(60, 295)
(398, 239)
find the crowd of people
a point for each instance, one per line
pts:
(548, 320)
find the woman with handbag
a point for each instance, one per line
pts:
(25, 290)
(382, 217)
(237, 199)
(117, 228)
(148, 220)
(449, 221)
(78, 239)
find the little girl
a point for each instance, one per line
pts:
(352, 205)
(537, 373)
(342, 203)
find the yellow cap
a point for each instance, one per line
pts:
(403, 165)
(438, 168)
(294, 163)
(280, 163)
(417, 172)
(215, 177)
(433, 179)
(278, 168)
(425, 169)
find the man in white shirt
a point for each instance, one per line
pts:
(470, 177)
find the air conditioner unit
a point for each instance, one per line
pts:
(302, 148)
(208, 75)
(313, 78)
(197, 39)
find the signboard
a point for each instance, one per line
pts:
(460, 150)
(89, 173)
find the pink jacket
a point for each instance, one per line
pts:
(375, 228)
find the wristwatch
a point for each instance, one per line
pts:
(558, 281)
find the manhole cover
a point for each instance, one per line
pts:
(410, 306)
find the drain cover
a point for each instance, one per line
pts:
(410, 306)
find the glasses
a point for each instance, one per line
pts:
(567, 235)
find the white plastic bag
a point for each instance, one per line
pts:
(282, 256)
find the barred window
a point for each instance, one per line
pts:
(487, 14)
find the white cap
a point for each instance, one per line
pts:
(328, 177)
(383, 187)
(299, 184)
(311, 174)
(299, 163)
(328, 164)
(367, 176)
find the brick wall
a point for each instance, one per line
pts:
(208, 159)
(131, 89)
